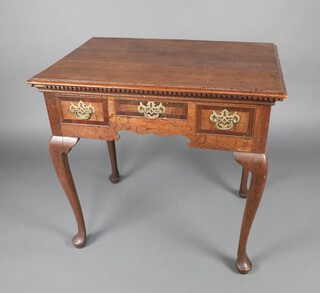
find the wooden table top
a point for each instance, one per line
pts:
(170, 65)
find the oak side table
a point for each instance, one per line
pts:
(217, 94)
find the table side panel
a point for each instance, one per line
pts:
(53, 113)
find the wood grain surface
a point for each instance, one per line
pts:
(237, 67)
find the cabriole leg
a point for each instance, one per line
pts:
(59, 148)
(257, 164)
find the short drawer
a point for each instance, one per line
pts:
(151, 109)
(225, 120)
(82, 110)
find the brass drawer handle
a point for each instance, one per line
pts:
(81, 110)
(151, 110)
(224, 120)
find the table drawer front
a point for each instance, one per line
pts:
(151, 109)
(82, 110)
(225, 120)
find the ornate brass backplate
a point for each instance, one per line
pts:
(225, 120)
(151, 110)
(81, 110)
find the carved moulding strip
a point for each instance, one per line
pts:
(44, 87)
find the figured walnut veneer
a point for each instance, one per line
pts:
(166, 87)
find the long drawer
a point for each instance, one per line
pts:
(151, 109)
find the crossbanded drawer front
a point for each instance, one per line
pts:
(83, 110)
(225, 120)
(152, 109)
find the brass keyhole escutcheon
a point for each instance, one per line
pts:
(151, 110)
(225, 120)
(81, 110)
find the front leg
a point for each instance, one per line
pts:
(257, 164)
(59, 148)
